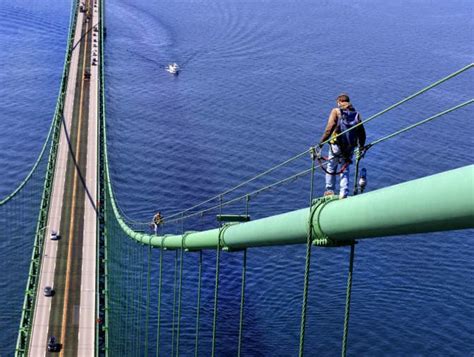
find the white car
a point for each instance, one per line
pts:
(54, 235)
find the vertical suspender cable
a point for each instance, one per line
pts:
(242, 292)
(242, 302)
(307, 266)
(140, 301)
(198, 307)
(158, 323)
(180, 289)
(216, 285)
(175, 278)
(147, 299)
(348, 301)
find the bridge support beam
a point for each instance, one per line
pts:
(439, 202)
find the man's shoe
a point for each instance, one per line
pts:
(329, 193)
(342, 196)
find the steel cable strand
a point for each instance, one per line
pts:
(424, 121)
(180, 290)
(198, 307)
(302, 173)
(347, 308)
(55, 119)
(140, 299)
(250, 194)
(242, 303)
(148, 297)
(175, 284)
(158, 322)
(216, 295)
(35, 165)
(137, 303)
(309, 243)
(410, 97)
(242, 289)
(264, 173)
(129, 314)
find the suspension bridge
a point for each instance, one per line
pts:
(94, 309)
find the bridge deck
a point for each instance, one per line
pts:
(69, 264)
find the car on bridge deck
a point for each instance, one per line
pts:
(54, 235)
(48, 291)
(53, 345)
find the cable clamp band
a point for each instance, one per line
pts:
(183, 241)
(220, 238)
(163, 238)
(321, 239)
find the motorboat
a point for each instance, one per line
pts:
(173, 68)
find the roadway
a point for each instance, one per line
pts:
(69, 264)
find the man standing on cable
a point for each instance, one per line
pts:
(341, 148)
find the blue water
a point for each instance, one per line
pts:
(259, 79)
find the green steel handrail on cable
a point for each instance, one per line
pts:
(174, 242)
(291, 159)
(24, 333)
